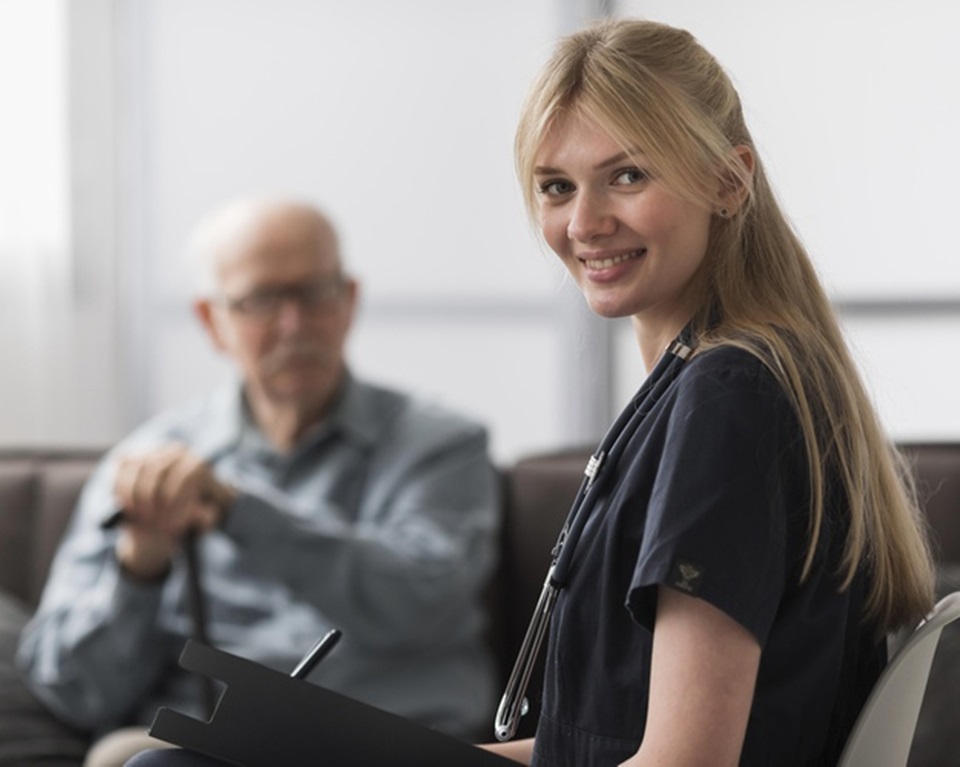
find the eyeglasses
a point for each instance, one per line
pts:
(319, 297)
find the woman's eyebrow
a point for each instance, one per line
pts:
(544, 170)
(627, 156)
(615, 160)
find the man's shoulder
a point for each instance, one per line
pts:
(408, 414)
(200, 417)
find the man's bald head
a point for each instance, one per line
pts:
(254, 224)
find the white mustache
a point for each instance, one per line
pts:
(296, 353)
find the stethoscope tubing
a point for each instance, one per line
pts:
(514, 704)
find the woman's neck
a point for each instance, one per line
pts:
(653, 338)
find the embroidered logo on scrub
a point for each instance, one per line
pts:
(686, 576)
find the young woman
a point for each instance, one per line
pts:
(749, 535)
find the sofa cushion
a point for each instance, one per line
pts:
(29, 735)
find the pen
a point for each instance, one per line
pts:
(113, 520)
(316, 654)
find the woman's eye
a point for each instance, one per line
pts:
(556, 187)
(629, 176)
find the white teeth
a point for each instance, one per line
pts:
(606, 263)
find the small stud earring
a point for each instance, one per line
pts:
(724, 213)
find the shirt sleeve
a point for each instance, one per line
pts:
(411, 565)
(716, 525)
(81, 653)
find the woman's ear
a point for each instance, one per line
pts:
(735, 184)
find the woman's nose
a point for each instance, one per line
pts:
(590, 218)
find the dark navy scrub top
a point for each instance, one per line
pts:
(704, 488)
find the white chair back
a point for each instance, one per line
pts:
(884, 731)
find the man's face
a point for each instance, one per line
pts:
(284, 311)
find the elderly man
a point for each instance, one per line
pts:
(316, 501)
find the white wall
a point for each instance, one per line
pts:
(398, 117)
(856, 108)
(59, 381)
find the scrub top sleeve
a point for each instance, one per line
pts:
(715, 526)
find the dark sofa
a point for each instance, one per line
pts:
(39, 488)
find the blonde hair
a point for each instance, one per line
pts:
(653, 87)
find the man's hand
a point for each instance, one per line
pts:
(164, 494)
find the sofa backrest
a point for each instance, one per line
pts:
(937, 471)
(38, 490)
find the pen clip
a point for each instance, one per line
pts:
(317, 653)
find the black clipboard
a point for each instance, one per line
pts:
(267, 719)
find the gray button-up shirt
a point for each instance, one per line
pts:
(381, 523)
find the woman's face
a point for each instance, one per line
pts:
(632, 245)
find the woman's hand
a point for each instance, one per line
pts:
(518, 750)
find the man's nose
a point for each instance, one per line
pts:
(590, 217)
(290, 314)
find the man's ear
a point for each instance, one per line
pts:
(735, 187)
(352, 298)
(204, 310)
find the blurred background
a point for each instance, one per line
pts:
(123, 121)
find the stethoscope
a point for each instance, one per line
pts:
(514, 704)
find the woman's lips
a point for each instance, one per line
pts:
(607, 262)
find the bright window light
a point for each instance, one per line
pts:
(34, 190)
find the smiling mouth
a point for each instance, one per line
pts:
(606, 263)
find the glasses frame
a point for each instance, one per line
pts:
(319, 296)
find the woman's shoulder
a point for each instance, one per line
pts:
(731, 362)
(730, 374)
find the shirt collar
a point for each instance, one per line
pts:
(355, 415)
(355, 412)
